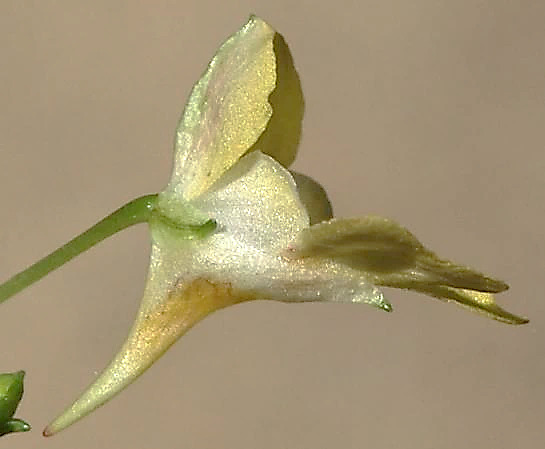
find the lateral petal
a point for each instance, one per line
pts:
(392, 257)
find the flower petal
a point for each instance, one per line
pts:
(227, 110)
(481, 302)
(256, 204)
(391, 256)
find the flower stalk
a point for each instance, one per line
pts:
(134, 212)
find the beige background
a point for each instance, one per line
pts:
(429, 112)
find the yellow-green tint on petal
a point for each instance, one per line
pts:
(155, 330)
(481, 302)
(227, 110)
(281, 138)
(392, 257)
(369, 243)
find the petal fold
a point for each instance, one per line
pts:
(281, 138)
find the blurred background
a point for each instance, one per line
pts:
(428, 112)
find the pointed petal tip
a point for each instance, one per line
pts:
(61, 422)
(483, 303)
(502, 286)
(498, 313)
(517, 320)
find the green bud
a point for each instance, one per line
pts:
(11, 392)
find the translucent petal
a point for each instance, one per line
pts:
(227, 110)
(391, 256)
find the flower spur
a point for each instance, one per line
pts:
(234, 224)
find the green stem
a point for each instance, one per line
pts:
(134, 212)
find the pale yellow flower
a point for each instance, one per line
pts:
(234, 224)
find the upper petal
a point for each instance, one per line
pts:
(227, 110)
(248, 99)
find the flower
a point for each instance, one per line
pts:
(234, 224)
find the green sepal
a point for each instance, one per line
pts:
(14, 425)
